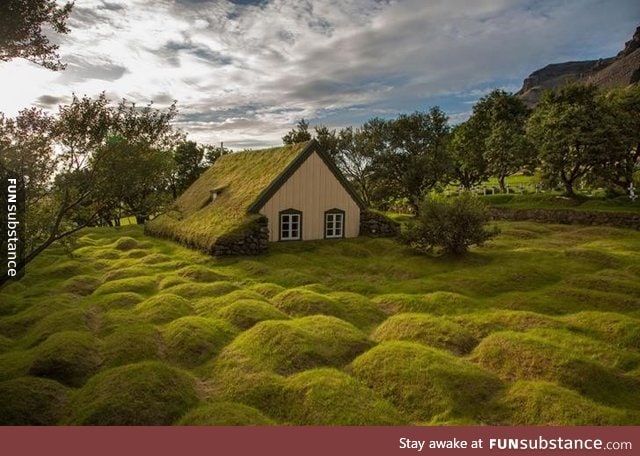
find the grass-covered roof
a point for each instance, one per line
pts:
(239, 179)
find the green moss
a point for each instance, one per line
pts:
(123, 300)
(521, 356)
(299, 302)
(190, 341)
(244, 313)
(200, 273)
(291, 346)
(428, 384)
(328, 397)
(63, 320)
(235, 379)
(17, 324)
(440, 302)
(358, 309)
(147, 393)
(537, 403)
(438, 332)
(69, 357)
(29, 401)
(132, 344)
(225, 414)
(268, 290)
(81, 285)
(202, 290)
(163, 308)
(5, 344)
(142, 285)
(211, 306)
(155, 258)
(481, 324)
(614, 328)
(127, 243)
(15, 363)
(171, 281)
(125, 273)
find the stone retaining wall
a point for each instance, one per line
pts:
(568, 217)
(377, 225)
(254, 242)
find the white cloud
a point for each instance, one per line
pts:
(245, 73)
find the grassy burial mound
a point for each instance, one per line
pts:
(198, 220)
(540, 326)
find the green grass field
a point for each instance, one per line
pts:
(540, 326)
(558, 201)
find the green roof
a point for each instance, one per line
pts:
(240, 179)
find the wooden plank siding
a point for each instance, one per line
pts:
(312, 189)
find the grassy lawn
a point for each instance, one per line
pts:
(557, 201)
(540, 326)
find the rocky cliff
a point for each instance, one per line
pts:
(619, 71)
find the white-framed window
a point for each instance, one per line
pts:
(290, 225)
(334, 224)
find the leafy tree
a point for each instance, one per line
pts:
(574, 134)
(355, 151)
(298, 134)
(508, 150)
(66, 164)
(467, 153)
(328, 139)
(450, 224)
(415, 159)
(27, 154)
(22, 34)
(498, 128)
(189, 161)
(133, 174)
(624, 104)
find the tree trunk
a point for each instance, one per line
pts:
(140, 219)
(568, 189)
(503, 187)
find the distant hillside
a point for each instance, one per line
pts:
(619, 71)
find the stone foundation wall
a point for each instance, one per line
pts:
(568, 217)
(377, 225)
(254, 242)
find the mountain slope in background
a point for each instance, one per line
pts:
(619, 71)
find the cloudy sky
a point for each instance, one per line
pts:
(243, 72)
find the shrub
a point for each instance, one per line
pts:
(143, 394)
(451, 224)
(29, 401)
(225, 414)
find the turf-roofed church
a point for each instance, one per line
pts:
(247, 199)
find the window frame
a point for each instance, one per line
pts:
(334, 211)
(290, 211)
